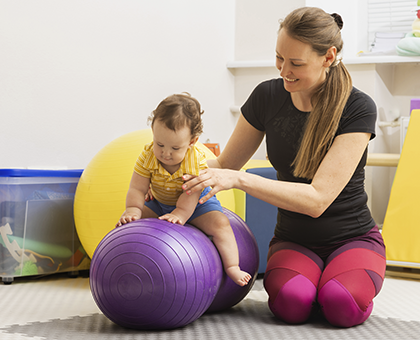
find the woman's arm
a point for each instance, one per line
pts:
(242, 144)
(312, 199)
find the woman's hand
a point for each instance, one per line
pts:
(217, 179)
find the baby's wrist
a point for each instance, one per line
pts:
(133, 210)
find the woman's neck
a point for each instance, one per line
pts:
(301, 102)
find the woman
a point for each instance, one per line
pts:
(327, 250)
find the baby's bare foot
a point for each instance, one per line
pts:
(238, 276)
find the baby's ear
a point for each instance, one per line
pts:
(193, 141)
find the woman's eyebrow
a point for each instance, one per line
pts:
(294, 59)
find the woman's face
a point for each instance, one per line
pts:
(302, 69)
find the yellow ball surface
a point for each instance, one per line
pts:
(102, 189)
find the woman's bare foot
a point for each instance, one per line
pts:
(238, 276)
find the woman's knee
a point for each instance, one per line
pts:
(348, 285)
(293, 300)
(291, 282)
(340, 307)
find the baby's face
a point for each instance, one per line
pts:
(171, 146)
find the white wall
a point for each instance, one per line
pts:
(355, 29)
(76, 74)
(257, 24)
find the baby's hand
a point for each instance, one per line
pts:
(171, 218)
(128, 216)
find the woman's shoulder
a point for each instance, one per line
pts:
(264, 102)
(359, 114)
(359, 105)
(269, 92)
(359, 100)
(271, 87)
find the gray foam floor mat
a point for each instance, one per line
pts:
(251, 319)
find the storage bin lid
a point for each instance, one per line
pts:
(40, 173)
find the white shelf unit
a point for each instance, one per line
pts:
(348, 61)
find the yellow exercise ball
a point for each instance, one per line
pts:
(102, 189)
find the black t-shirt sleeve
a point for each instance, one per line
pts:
(254, 108)
(359, 114)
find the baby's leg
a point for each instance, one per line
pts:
(148, 213)
(216, 224)
(152, 209)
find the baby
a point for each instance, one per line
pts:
(176, 125)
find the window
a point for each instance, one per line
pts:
(388, 17)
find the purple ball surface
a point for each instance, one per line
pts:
(152, 274)
(230, 293)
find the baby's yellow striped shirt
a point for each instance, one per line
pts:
(167, 188)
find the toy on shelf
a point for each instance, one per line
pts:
(410, 45)
(213, 147)
(416, 23)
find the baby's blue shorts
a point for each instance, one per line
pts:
(210, 205)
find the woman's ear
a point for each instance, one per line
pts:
(193, 141)
(330, 56)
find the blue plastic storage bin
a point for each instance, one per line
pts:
(37, 233)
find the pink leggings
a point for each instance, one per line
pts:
(296, 279)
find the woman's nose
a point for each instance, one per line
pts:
(283, 71)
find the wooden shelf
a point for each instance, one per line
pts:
(383, 159)
(400, 272)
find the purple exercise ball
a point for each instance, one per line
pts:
(230, 293)
(152, 274)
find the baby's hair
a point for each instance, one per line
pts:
(177, 111)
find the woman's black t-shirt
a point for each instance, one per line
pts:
(270, 109)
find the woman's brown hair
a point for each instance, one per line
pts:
(313, 26)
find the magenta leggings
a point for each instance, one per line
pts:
(344, 285)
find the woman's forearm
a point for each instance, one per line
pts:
(213, 163)
(297, 197)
